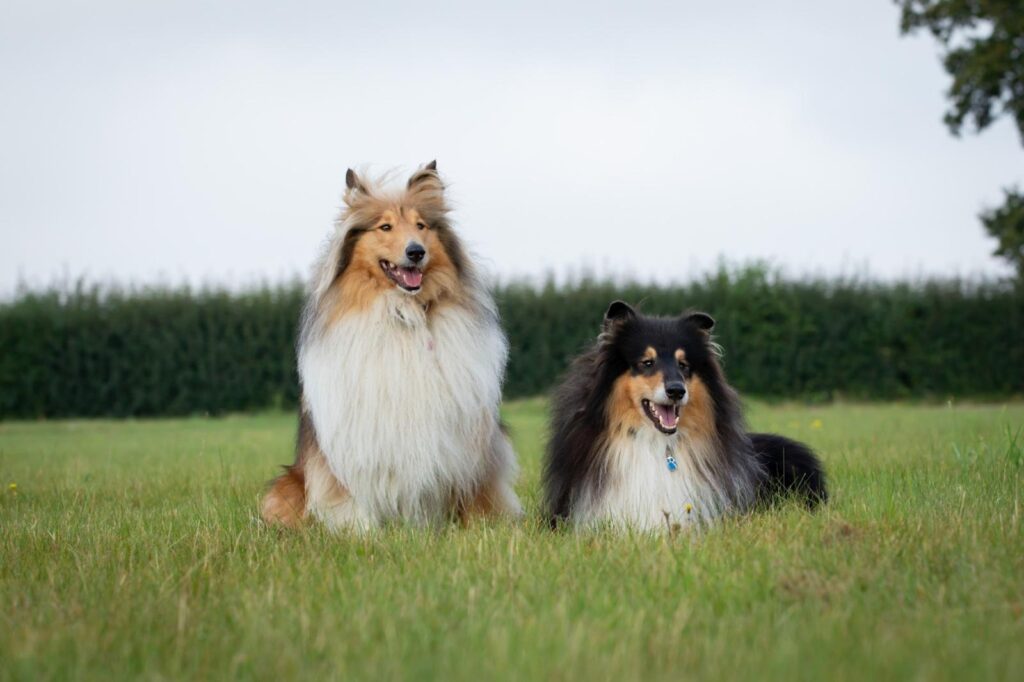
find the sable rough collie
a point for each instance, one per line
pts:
(401, 360)
(647, 434)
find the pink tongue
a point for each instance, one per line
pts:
(666, 414)
(411, 277)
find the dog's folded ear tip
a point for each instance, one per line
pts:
(425, 174)
(703, 321)
(619, 310)
(351, 179)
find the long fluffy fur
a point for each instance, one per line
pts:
(602, 472)
(791, 468)
(400, 392)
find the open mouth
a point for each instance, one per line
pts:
(408, 278)
(665, 417)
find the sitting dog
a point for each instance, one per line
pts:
(401, 360)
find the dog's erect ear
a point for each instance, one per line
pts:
(618, 311)
(428, 173)
(702, 321)
(353, 182)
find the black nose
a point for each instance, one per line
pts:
(415, 252)
(675, 390)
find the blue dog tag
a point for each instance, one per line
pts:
(671, 462)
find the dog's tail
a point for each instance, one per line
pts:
(285, 500)
(792, 468)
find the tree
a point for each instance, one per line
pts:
(984, 54)
(1006, 223)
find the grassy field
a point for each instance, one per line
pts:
(129, 550)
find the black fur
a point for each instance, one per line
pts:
(791, 467)
(751, 467)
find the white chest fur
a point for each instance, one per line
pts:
(641, 491)
(405, 404)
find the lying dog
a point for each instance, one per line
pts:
(647, 434)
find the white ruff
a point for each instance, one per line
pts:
(641, 493)
(405, 408)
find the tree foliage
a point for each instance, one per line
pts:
(984, 42)
(984, 54)
(1006, 223)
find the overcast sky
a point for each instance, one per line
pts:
(208, 142)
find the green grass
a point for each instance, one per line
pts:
(129, 550)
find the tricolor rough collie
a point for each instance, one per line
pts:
(647, 435)
(401, 360)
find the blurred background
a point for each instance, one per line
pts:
(170, 170)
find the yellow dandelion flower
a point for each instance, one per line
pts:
(688, 508)
(816, 424)
(13, 487)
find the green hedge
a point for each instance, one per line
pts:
(91, 351)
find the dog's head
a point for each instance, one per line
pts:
(664, 365)
(395, 240)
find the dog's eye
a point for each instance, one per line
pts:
(648, 363)
(684, 368)
(422, 226)
(385, 227)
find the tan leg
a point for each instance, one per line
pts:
(285, 500)
(289, 496)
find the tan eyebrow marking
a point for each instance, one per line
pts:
(650, 354)
(680, 355)
(386, 218)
